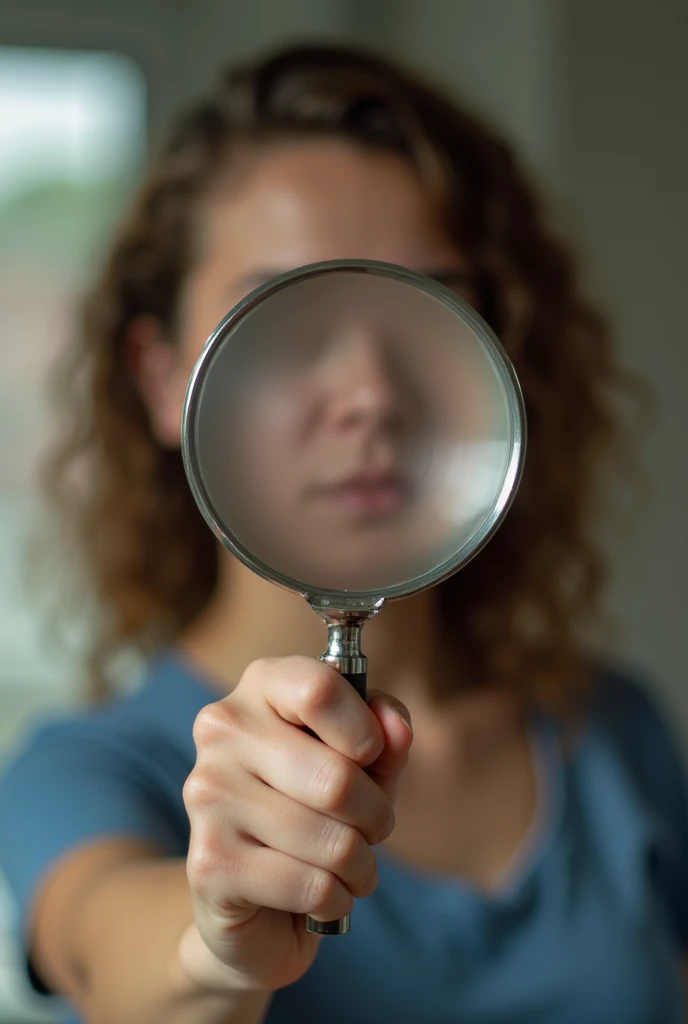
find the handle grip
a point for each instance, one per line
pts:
(341, 927)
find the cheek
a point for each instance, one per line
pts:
(193, 332)
(273, 425)
(201, 309)
(271, 435)
(191, 342)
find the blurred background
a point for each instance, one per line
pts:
(592, 93)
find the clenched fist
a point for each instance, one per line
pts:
(282, 823)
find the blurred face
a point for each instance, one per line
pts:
(305, 202)
(324, 432)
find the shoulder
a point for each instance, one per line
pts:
(630, 769)
(151, 724)
(141, 744)
(114, 770)
(629, 721)
(637, 722)
(626, 698)
(110, 764)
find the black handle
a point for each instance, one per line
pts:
(358, 681)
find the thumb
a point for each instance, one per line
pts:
(395, 722)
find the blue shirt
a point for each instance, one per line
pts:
(590, 930)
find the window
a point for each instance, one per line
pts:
(72, 139)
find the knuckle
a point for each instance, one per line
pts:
(205, 861)
(213, 722)
(255, 674)
(216, 861)
(334, 782)
(315, 685)
(339, 845)
(200, 791)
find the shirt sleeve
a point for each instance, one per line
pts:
(76, 781)
(653, 754)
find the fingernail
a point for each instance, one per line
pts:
(403, 713)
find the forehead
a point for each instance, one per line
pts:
(301, 202)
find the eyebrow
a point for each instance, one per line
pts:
(446, 276)
(255, 278)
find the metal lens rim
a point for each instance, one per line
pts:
(499, 359)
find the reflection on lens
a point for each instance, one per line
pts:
(353, 431)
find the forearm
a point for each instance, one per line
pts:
(124, 954)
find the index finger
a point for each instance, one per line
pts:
(311, 694)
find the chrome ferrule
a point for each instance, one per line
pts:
(344, 648)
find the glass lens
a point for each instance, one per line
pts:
(353, 431)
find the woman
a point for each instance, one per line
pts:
(537, 868)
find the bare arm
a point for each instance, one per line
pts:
(106, 933)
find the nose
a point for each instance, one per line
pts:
(357, 384)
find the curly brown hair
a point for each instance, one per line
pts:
(512, 615)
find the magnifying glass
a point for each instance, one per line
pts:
(354, 432)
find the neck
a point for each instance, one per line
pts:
(249, 618)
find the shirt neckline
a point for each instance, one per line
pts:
(526, 861)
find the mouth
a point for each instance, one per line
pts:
(367, 493)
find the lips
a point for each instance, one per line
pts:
(368, 493)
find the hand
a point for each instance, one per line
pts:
(282, 823)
